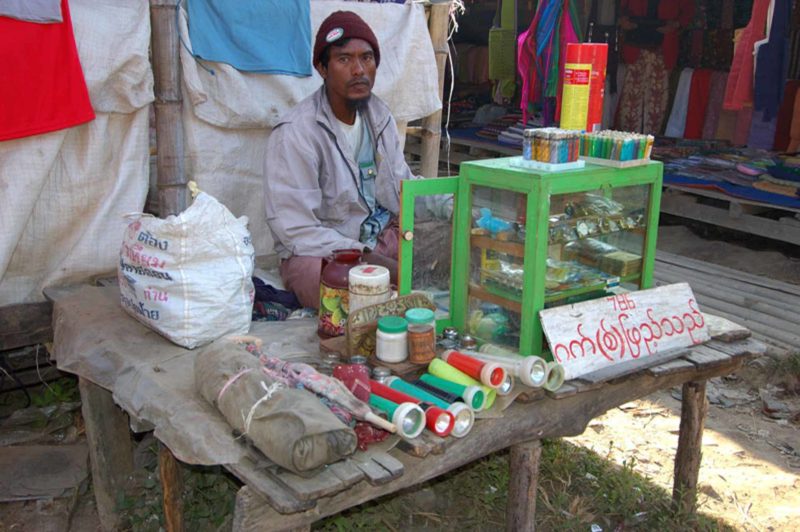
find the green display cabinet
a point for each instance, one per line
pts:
(499, 243)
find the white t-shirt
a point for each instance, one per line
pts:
(353, 134)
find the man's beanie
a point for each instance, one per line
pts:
(344, 25)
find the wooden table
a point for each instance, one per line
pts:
(272, 499)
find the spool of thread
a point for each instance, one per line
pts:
(443, 370)
(555, 376)
(464, 417)
(437, 420)
(489, 373)
(407, 417)
(530, 370)
(473, 396)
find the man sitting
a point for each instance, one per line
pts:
(334, 164)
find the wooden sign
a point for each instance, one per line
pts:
(602, 333)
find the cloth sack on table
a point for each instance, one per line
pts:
(189, 276)
(291, 427)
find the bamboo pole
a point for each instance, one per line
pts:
(432, 124)
(173, 196)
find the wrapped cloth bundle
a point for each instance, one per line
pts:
(290, 426)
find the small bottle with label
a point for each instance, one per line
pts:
(421, 335)
(391, 339)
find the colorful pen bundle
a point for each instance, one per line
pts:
(551, 145)
(616, 145)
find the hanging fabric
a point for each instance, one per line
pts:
(739, 90)
(677, 118)
(698, 103)
(43, 88)
(539, 56)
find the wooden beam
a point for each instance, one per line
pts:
(171, 489)
(173, 196)
(432, 124)
(524, 478)
(690, 440)
(25, 324)
(110, 449)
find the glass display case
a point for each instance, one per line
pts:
(524, 240)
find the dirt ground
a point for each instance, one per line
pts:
(750, 471)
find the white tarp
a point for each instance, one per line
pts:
(228, 114)
(63, 194)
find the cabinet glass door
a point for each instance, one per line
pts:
(496, 273)
(426, 241)
(596, 241)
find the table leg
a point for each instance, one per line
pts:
(110, 449)
(690, 440)
(171, 488)
(524, 477)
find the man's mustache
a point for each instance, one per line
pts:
(359, 81)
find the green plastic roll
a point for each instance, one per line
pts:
(474, 397)
(443, 370)
(419, 393)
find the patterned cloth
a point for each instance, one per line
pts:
(645, 94)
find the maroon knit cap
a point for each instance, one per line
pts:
(344, 25)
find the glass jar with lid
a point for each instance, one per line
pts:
(421, 335)
(391, 340)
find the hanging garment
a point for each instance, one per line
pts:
(785, 115)
(744, 118)
(726, 126)
(42, 87)
(645, 94)
(770, 77)
(739, 90)
(680, 11)
(611, 99)
(716, 94)
(233, 32)
(41, 11)
(698, 103)
(677, 118)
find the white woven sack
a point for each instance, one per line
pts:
(189, 276)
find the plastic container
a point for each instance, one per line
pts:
(489, 373)
(391, 339)
(380, 374)
(421, 335)
(368, 285)
(333, 292)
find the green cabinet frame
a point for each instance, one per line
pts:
(538, 187)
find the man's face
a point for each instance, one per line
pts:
(350, 73)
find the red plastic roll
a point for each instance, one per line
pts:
(489, 373)
(437, 420)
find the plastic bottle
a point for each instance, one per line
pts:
(391, 339)
(368, 285)
(334, 293)
(421, 335)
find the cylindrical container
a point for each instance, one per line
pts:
(407, 417)
(421, 335)
(555, 376)
(380, 374)
(391, 339)
(489, 373)
(368, 285)
(472, 395)
(443, 370)
(441, 394)
(437, 420)
(468, 342)
(330, 359)
(507, 386)
(334, 293)
(464, 417)
(531, 370)
(527, 144)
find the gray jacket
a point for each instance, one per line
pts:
(311, 190)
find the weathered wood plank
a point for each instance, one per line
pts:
(276, 494)
(31, 377)
(347, 472)
(524, 478)
(702, 356)
(171, 489)
(110, 449)
(25, 324)
(673, 366)
(747, 347)
(724, 330)
(566, 390)
(690, 440)
(391, 464)
(321, 484)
